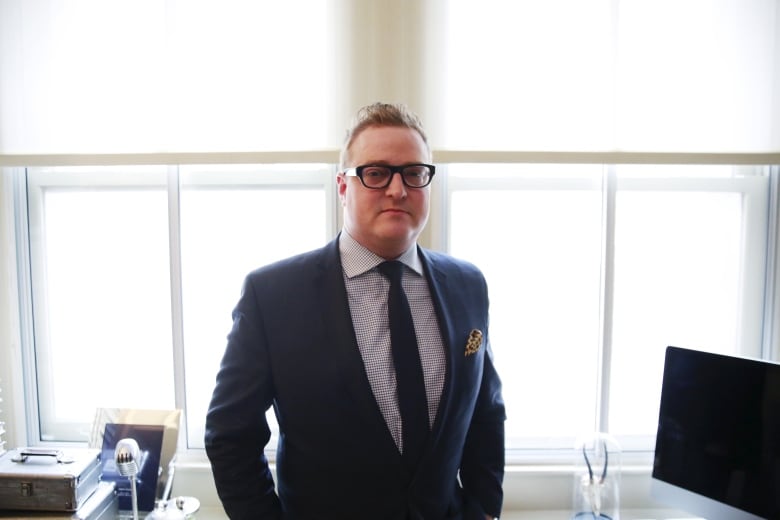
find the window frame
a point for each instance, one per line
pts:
(30, 195)
(755, 247)
(436, 236)
(37, 186)
(531, 483)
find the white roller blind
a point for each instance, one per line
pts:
(129, 76)
(610, 75)
(111, 76)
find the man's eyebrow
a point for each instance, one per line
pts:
(390, 163)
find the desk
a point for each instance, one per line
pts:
(216, 513)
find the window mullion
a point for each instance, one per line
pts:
(177, 321)
(607, 297)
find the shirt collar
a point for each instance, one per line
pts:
(356, 259)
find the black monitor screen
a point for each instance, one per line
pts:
(719, 429)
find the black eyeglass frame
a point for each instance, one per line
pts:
(357, 171)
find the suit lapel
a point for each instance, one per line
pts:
(456, 320)
(440, 292)
(340, 336)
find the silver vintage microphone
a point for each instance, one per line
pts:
(126, 455)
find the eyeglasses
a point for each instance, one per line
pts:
(378, 176)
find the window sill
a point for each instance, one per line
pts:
(530, 492)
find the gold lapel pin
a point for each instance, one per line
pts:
(474, 342)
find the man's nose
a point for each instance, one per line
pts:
(396, 188)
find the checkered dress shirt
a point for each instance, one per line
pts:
(367, 290)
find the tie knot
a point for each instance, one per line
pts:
(392, 270)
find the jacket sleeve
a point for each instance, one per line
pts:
(482, 466)
(236, 427)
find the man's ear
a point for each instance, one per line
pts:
(341, 184)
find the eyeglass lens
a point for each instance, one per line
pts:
(415, 176)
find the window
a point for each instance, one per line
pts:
(102, 295)
(535, 231)
(135, 271)
(234, 220)
(594, 270)
(689, 270)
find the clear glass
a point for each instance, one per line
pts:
(685, 247)
(687, 259)
(101, 281)
(689, 252)
(379, 177)
(101, 275)
(535, 231)
(597, 473)
(234, 220)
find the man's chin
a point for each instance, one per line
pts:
(397, 234)
(397, 240)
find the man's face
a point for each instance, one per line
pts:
(386, 221)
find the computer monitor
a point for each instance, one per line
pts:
(717, 452)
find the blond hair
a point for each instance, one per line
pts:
(380, 114)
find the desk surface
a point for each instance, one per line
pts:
(216, 513)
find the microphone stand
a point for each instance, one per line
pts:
(126, 456)
(134, 497)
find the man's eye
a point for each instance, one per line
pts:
(416, 171)
(375, 172)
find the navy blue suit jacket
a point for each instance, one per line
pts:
(293, 347)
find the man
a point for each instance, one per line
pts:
(321, 337)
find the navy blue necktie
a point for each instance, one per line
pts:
(412, 399)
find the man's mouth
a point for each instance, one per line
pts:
(394, 211)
